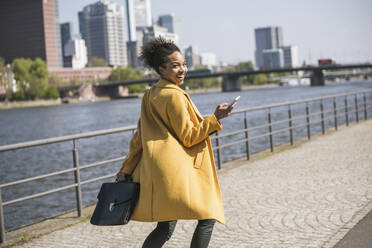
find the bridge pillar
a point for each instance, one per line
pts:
(231, 83)
(317, 78)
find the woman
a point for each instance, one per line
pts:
(171, 155)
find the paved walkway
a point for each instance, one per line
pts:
(310, 196)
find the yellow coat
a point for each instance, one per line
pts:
(171, 156)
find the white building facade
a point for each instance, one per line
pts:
(139, 18)
(142, 13)
(290, 54)
(208, 59)
(77, 51)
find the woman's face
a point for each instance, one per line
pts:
(175, 69)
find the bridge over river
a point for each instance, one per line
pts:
(230, 80)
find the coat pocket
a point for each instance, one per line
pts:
(199, 159)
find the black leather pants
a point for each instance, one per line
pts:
(164, 230)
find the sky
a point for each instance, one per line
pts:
(337, 29)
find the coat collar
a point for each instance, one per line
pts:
(163, 83)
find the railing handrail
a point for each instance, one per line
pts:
(299, 101)
(27, 144)
(40, 142)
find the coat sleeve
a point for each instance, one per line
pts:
(188, 133)
(135, 152)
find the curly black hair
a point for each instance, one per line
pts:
(155, 52)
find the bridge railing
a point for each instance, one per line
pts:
(276, 123)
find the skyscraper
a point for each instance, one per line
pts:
(142, 13)
(66, 35)
(266, 39)
(290, 54)
(139, 18)
(192, 56)
(157, 31)
(168, 22)
(131, 21)
(30, 29)
(103, 28)
(272, 58)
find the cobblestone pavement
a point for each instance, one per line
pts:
(309, 196)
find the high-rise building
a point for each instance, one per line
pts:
(81, 23)
(290, 54)
(133, 51)
(192, 56)
(139, 18)
(208, 59)
(273, 58)
(142, 13)
(131, 21)
(168, 22)
(76, 55)
(103, 29)
(66, 36)
(266, 39)
(156, 31)
(30, 29)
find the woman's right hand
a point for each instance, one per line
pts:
(223, 110)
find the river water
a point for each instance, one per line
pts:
(20, 125)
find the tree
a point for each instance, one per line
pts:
(31, 77)
(97, 62)
(128, 73)
(5, 74)
(51, 92)
(2, 62)
(260, 79)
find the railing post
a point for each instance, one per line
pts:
(2, 224)
(365, 106)
(79, 203)
(290, 124)
(246, 136)
(346, 112)
(308, 120)
(335, 112)
(270, 130)
(218, 151)
(356, 108)
(322, 114)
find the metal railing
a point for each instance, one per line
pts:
(362, 102)
(359, 105)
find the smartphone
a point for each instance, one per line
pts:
(235, 100)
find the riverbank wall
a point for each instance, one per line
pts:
(43, 103)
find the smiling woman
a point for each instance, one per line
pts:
(175, 69)
(171, 155)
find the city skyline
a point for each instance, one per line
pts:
(320, 29)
